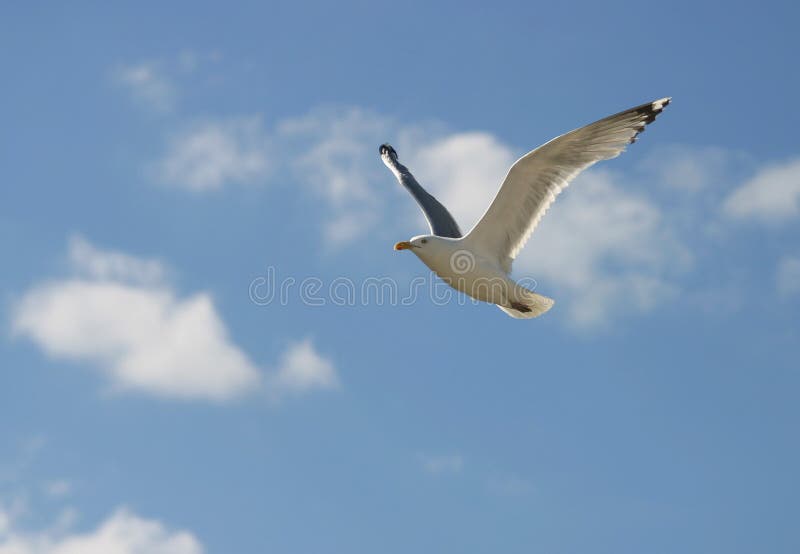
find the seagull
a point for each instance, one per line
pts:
(479, 263)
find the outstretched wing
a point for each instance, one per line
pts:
(534, 181)
(439, 219)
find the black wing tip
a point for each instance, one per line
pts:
(386, 150)
(649, 112)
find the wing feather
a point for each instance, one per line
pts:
(535, 180)
(439, 219)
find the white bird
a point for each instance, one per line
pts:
(479, 263)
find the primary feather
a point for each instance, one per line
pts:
(534, 181)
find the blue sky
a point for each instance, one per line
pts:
(164, 163)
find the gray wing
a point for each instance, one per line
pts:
(439, 219)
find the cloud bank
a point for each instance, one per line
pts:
(607, 243)
(119, 314)
(123, 532)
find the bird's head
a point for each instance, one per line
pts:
(413, 244)
(427, 247)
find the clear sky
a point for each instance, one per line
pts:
(168, 166)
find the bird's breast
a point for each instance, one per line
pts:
(471, 274)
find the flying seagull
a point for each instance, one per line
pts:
(479, 263)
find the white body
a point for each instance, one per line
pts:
(463, 266)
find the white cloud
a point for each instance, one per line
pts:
(690, 168)
(465, 171)
(141, 335)
(334, 154)
(331, 154)
(108, 265)
(156, 84)
(610, 250)
(302, 369)
(121, 533)
(788, 276)
(345, 227)
(148, 85)
(209, 155)
(441, 463)
(336, 151)
(144, 339)
(772, 195)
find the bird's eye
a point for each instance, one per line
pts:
(424, 241)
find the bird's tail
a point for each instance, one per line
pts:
(531, 305)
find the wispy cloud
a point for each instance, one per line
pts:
(335, 150)
(346, 226)
(148, 84)
(10, 510)
(606, 241)
(58, 488)
(441, 463)
(212, 154)
(609, 249)
(89, 261)
(123, 532)
(156, 84)
(117, 314)
(332, 153)
(772, 195)
(690, 168)
(302, 369)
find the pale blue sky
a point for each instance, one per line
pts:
(160, 157)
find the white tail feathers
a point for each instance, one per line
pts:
(533, 305)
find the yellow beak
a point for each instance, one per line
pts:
(405, 245)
